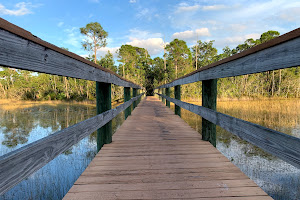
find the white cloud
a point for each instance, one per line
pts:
(132, 1)
(291, 14)
(154, 45)
(21, 8)
(103, 51)
(235, 40)
(214, 7)
(191, 34)
(141, 34)
(60, 24)
(184, 7)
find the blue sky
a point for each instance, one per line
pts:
(145, 23)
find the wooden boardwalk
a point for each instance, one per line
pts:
(156, 155)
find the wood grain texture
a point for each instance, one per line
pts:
(19, 164)
(156, 155)
(282, 55)
(281, 145)
(21, 53)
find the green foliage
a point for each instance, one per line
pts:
(96, 37)
(206, 53)
(180, 57)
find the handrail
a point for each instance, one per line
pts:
(19, 164)
(281, 52)
(283, 146)
(22, 50)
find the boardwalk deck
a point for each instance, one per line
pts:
(156, 155)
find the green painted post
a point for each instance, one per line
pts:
(127, 98)
(162, 92)
(177, 95)
(134, 94)
(209, 100)
(103, 100)
(168, 94)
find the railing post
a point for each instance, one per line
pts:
(168, 94)
(209, 100)
(103, 101)
(162, 92)
(127, 98)
(177, 94)
(134, 94)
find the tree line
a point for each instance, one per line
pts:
(135, 64)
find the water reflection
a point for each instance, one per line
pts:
(19, 127)
(279, 179)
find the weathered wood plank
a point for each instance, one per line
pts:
(181, 168)
(279, 53)
(168, 194)
(180, 185)
(281, 145)
(19, 164)
(21, 53)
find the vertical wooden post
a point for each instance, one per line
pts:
(162, 92)
(168, 94)
(177, 95)
(209, 100)
(134, 94)
(103, 100)
(127, 98)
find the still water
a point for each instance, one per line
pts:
(19, 127)
(277, 178)
(22, 126)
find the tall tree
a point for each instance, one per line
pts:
(180, 56)
(205, 54)
(96, 37)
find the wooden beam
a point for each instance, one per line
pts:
(27, 53)
(281, 52)
(168, 94)
(103, 97)
(126, 98)
(21, 163)
(209, 100)
(177, 91)
(278, 144)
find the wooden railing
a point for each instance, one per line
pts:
(20, 49)
(279, 53)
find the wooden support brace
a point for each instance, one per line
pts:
(177, 94)
(209, 100)
(127, 97)
(103, 98)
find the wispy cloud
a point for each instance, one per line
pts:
(60, 24)
(184, 7)
(191, 35)
(94, 1)
(132, 1)
(153, 45)
(74, 38)
(142, 34)
(20, 9)
(214, 7)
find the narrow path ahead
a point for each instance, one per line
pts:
(156, 155)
